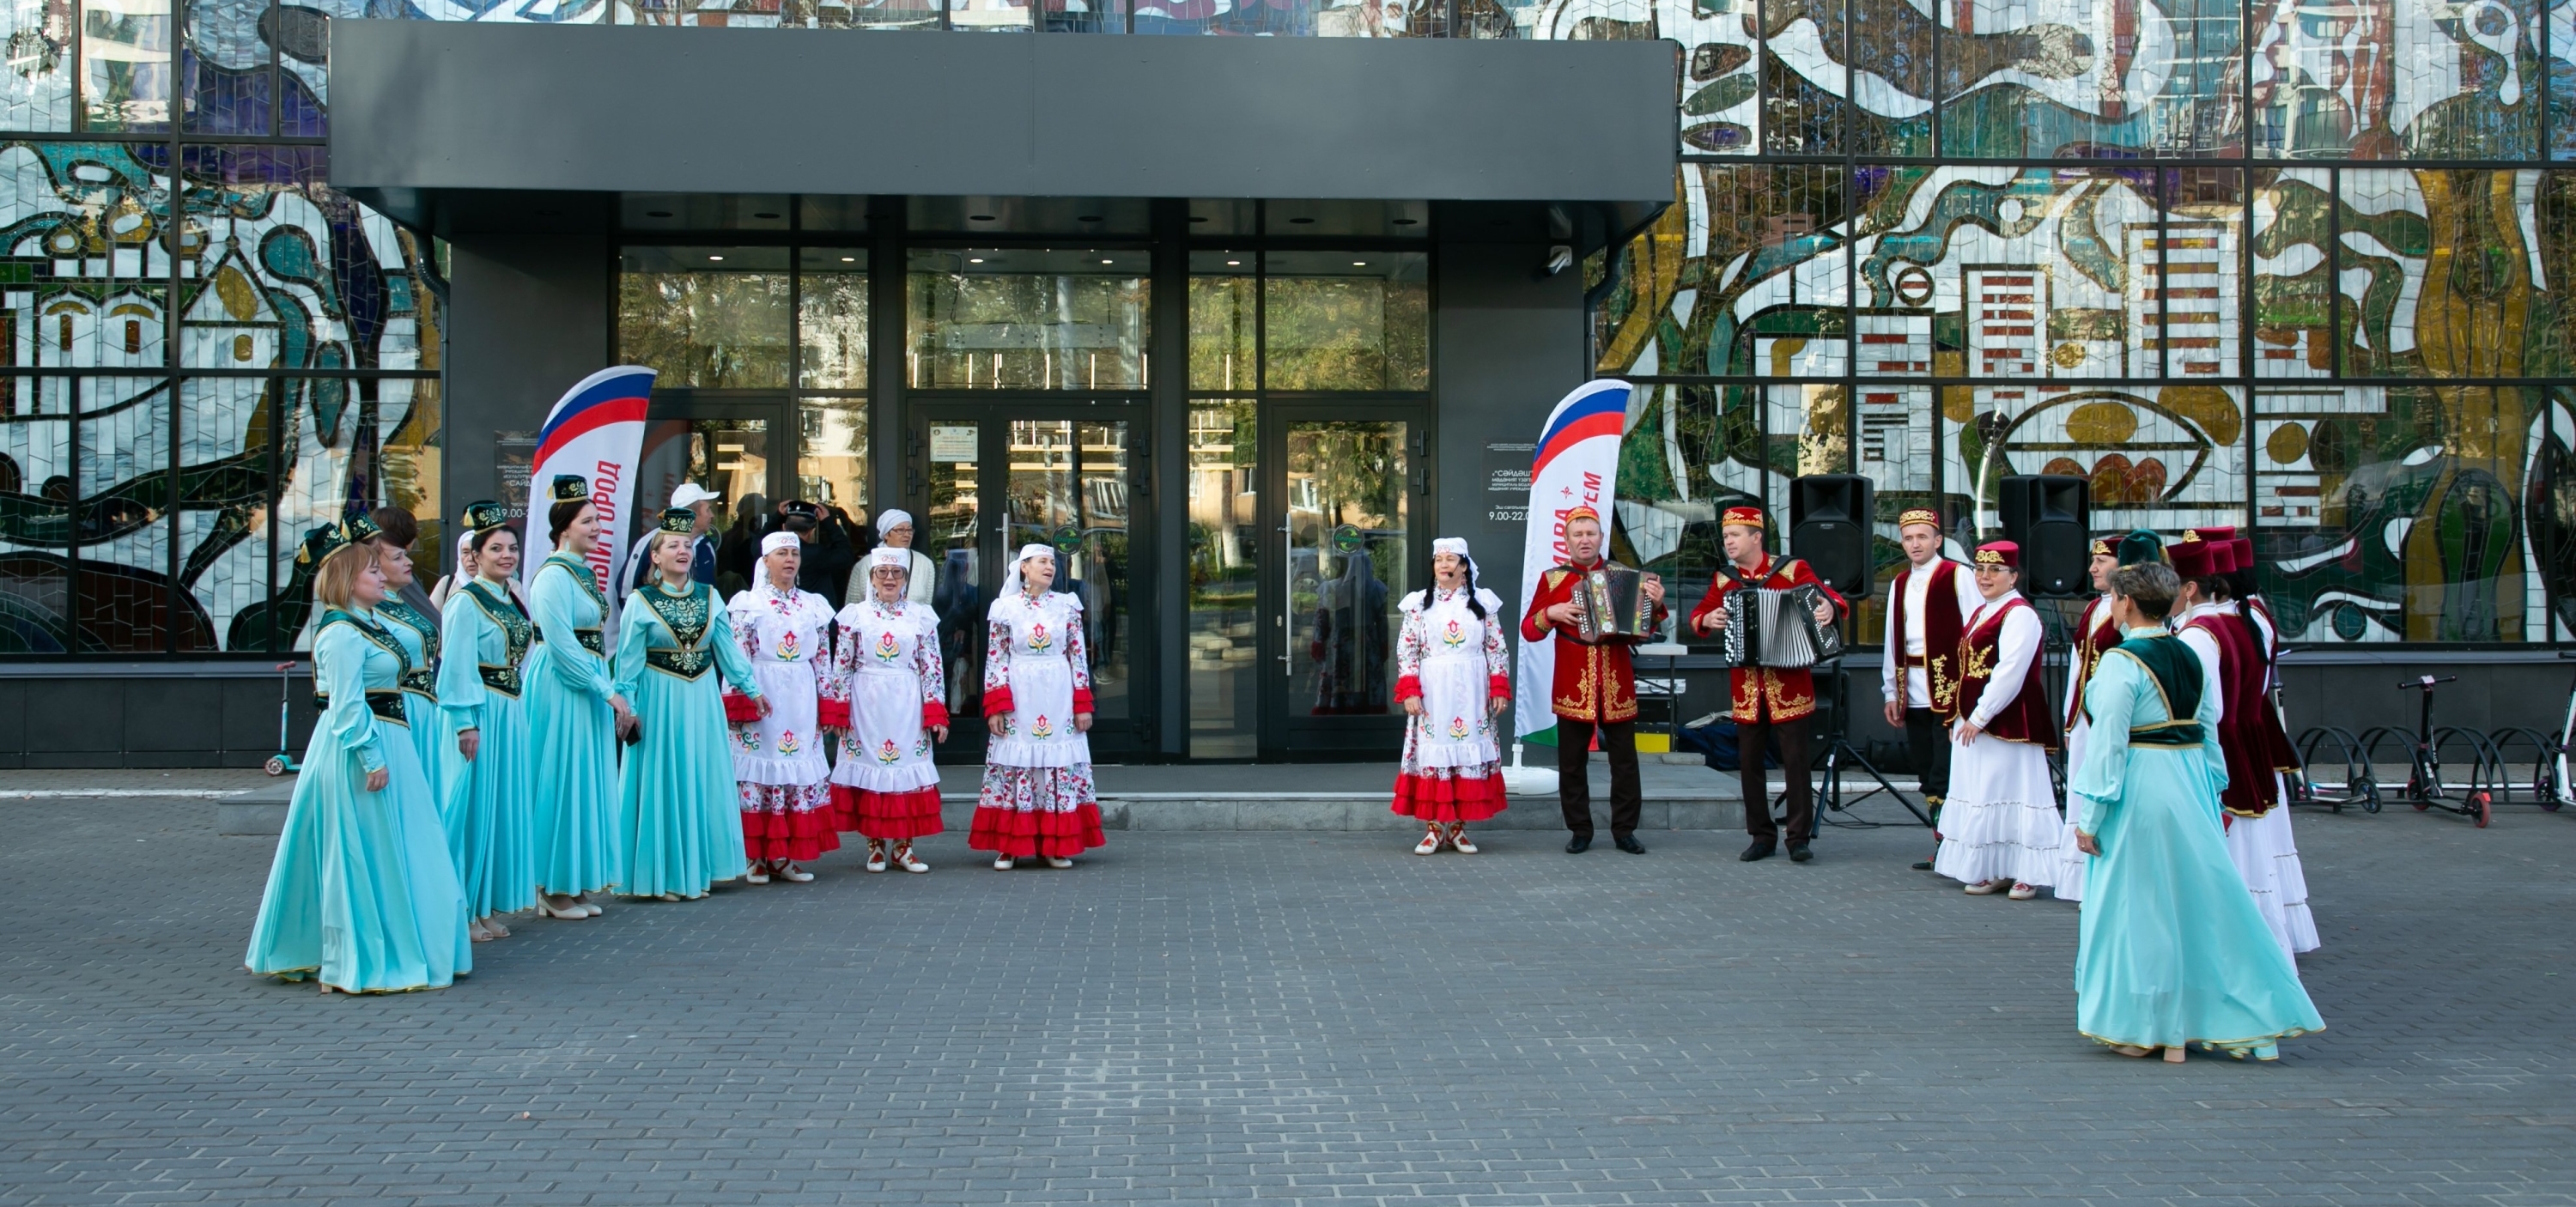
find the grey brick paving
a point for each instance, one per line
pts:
(1309, 1018)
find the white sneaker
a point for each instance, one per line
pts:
(1058, 864)
(1003, 863)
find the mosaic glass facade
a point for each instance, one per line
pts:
(2288, 264)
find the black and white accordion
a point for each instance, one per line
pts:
(1611, 602)
(1777, 628)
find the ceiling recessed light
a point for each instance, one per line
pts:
(715, 257)
(979, 217)
(657, 213)
(1086, 217)
(1302, 221)
(1408, 222)
(849, 259)
(1233, 263)
(1104, 261)
(1359, 263)
(764, 214)
(975, 260)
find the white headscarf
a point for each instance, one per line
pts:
(776, 541)
(892, 518)
(1027, 552)
(1458, 545)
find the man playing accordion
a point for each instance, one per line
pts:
(1595, 688)
(1768, 700)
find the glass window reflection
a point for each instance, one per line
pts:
(1347, 320)
(712, 317)
(1028, 318)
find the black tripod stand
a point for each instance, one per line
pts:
(1838, 750)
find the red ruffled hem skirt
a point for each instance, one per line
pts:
(1027, 833)
(789, 834)
(1454, 799)
(890, 816)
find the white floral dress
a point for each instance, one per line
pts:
(886, 673)
(1454, 661)
(778, 761)
(1038, 797)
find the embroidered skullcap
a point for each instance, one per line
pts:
(1581, 512)
(1912, 516)
(888, 555)
(1999, 553)
(2191, 556)
(569, 488)
(358, 529)
(2141, 546)
(776, 541)
(681, 520)
(1750, 517)
(320, 543)
(1454, 545)
(892, 518)
(483, 513)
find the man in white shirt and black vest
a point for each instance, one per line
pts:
(1926, 608)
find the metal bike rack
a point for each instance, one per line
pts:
(2359, 786)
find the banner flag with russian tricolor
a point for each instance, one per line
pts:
(595, 432)
(1576, 465)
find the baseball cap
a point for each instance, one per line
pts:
(690, 494)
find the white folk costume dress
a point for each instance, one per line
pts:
(2261, 846)
(886, 672)
(2001, 820)
(1038, 797)
(778, 762)
(2096, 634)
(1454, 661)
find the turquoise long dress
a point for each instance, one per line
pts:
(572, 733)
(430, 739)
(2172, 949)
(678, 805)
(480, 687)
(361, 891)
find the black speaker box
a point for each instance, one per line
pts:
(1829, 518)
(2050, 517)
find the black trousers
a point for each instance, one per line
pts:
(1927, 743)
(1795, 761)
(1574, 779)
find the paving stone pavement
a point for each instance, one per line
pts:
(1277, 1018)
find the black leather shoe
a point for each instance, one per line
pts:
(1578, 844)
(1761, 849)
(1922, 865)
(1798, 853)
(1629, 843)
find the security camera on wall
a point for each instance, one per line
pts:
(1559, 258)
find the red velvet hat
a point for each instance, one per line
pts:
(2244, 547)
(1999, 553)
(2222, 555)
(2214, 534)
(2191, 556)
(1750, 517)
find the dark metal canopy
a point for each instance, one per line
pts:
(493, 126)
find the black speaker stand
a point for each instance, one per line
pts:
(1838, 751)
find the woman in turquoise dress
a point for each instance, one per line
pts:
(2172, 950)
(574, 715)
(361, 893)
(418, 634)
(487, 635)
(677, 804)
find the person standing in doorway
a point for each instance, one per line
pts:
(1927, 608)
(1768, 701)
(1595, 691)
(895, 531)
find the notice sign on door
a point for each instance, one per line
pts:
(953, 442)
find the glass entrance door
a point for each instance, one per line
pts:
(1347, 491)
(991, 477)
(733, 447)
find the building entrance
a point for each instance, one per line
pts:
(734, 446)
(1344, 498)
(988, 477)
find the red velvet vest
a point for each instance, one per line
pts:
(2028, 718)
(2250, 733)
(1942, 628)
(2090, 645)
